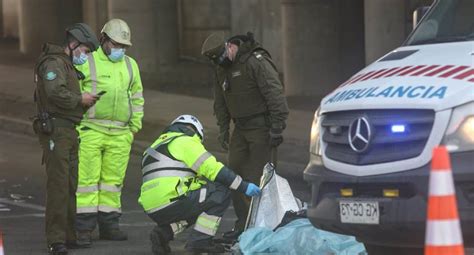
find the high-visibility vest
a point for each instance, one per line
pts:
(165, 178)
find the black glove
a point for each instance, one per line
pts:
(276, 137)
(224, 139)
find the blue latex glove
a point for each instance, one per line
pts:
(252, 190)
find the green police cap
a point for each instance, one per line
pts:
(213, 46)
(83, 33)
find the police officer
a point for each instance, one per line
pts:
(107, 132)
(184, 184)
(248, 92)
(60, 108)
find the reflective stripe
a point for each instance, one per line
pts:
(89, 209)
(109, 122)
(202, 195)
(159, 156)
(153, 153)
(129, 69)
(236, 183)
(162, 162)
(108, 209)
(179, 226)
(441, 183)
(130, 73)
(443, 232)
(151, 167)
(137, 108)
(201, 160)
(110, 188)
(159, 208)
(137, 95)
(167, 173)
(87, 189)
(207, 224)
(93, 74)
(179, 188)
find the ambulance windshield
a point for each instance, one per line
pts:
(448, 21)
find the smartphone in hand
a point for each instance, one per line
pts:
(101, 93)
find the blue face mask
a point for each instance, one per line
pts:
(116, 54)
(82, 59)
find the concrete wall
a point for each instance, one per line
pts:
(10, 18)
(167, 32)
(263, 18)
(1, 18)
(199, 19)
(322, 44)
(141, 18)
(316, 44)
(385, 26)
(45, 21)
(95, 14)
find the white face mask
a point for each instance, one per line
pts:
(82, 59)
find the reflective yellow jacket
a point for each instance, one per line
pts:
(120, 109)
(175, 164)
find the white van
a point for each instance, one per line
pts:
(372, 138)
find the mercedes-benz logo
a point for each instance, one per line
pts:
(360, 134)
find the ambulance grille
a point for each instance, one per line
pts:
(384, 145)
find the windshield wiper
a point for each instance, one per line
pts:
(444, 39)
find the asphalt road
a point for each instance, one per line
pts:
(22, 196)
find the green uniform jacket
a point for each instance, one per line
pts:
(176, 163)
(120, 109)
(251, 86)
(58, 91)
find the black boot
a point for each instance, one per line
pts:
(112, 235)
(159, 241)
(57, 249)
(205, 246)
(232, 235)
(84, 240)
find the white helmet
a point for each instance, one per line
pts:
(190, 119)
(118, 30)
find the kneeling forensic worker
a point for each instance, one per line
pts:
(183, 184)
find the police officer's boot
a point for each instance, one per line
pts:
(160, 237)
(57, 249)
(84, 239)
(113, 234)
(205, 246)
(231, 236)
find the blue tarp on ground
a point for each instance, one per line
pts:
(298, 237)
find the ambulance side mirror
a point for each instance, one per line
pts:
(418, 14)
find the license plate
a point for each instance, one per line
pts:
(359, 212)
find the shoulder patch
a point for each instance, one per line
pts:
(51, 76)
(258, 55)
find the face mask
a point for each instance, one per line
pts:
(116, 54)
(82, 59)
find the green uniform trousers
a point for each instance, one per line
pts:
(249, 151)
(60, 154)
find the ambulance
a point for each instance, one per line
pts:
(372, 137)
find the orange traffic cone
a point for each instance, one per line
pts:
(443, 230)
(1, 244)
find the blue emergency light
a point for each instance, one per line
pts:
(398, 128)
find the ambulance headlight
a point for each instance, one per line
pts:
(460, 133)
(315, 141)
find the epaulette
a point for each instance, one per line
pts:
(258, 55)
